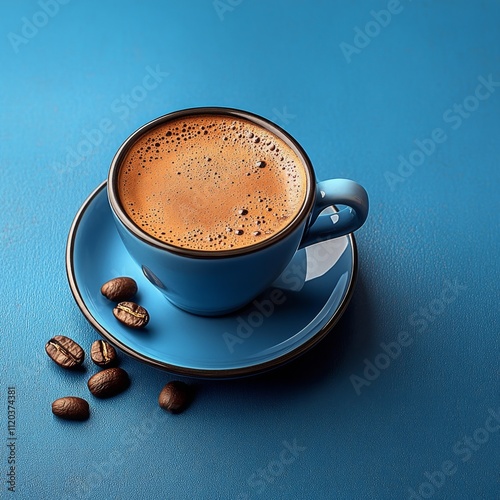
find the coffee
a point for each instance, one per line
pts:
(65, 352)
(71, 408)
(119, 289)
(108, 382)
(175, 396)
(211, 183)
(131, 314)
(103, 354)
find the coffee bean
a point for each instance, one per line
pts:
(65, 351)
(131, 314)
(119, 289)
(103, 354)
(71, 408)
(108, 382)
(175, 397)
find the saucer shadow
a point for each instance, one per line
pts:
(320, 362)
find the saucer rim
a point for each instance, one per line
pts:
(195, 372)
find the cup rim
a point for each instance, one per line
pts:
(117, 208)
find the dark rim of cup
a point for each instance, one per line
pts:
(120, 213)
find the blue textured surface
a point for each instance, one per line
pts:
(428, 252)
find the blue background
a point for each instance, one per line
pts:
(355, 111)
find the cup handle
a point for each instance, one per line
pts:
(332, 225)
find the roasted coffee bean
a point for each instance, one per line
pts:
(65, 351)
(131, 314)
(108, 382)
(175, 397)
(103, 354)
(119, 289)
(71, 408)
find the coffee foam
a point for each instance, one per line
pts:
(210, 182)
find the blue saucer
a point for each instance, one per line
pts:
(285, 321)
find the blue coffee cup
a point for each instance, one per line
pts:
(208, 282)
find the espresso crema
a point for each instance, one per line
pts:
(211, 183)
